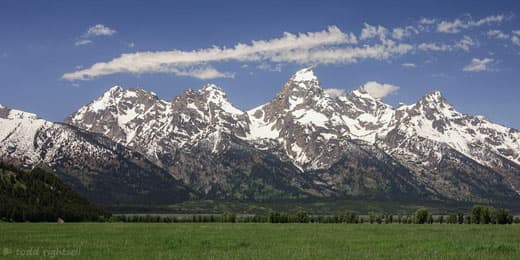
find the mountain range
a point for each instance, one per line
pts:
(130, 147)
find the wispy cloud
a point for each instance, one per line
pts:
(477, 65)
(334, 92)
(83, 42)
(400, 33)
(457, 25)
(515, 39)
(379, 90)
(408, 65)
(497, 34)
(202, 73)
(463, 44)
(427, 21)
(320, 47)
(369, 32)
(94, 31)
(99, 30)
(329, 46)
(270, 67)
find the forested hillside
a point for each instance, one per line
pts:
(37, 195)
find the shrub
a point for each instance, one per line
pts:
(421, 216)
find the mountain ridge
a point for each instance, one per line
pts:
(305, 142)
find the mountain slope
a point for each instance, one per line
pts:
(303, 143)
(103, 171)
(40, 196)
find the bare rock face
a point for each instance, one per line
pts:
(303, 143)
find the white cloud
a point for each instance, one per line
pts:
(463, 44)
(369, 32)
(99, 30)
(269, 67)
(202, 73)
(82, 42)
(344, 55)
(335, 92)
(131, 45)
(304, 48)
(515, 39)
(457, 25)
(96, 30)
(479, 65)
(409, 65)
(497, 34)
(434, 47)
(378, 90)
(427, 21)
(401, 33)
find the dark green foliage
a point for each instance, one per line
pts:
(490, 215)
(460, 218)
(421, 216)
(229, 217)
(452, 219)
(501, 216)
(40, 196)
(302, 217)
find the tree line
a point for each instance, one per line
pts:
(478, 215)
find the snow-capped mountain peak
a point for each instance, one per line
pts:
(303, 125)
(217, 96)
(303, 75)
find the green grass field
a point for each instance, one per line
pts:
(258, 241)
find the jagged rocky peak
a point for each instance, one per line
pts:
(117, 96)
(303, 83)
(302, 90)
(217, 96)
(434, 106)
(359, 103)
(209, 97)
(213, 89)
(361, 92)
(434, 99)
(115, 113)
(304, 75)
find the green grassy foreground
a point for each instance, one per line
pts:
(258, 241)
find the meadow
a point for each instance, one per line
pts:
(257, 241)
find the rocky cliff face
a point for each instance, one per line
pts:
(303, 143)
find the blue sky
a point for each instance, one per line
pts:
(469, 50)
